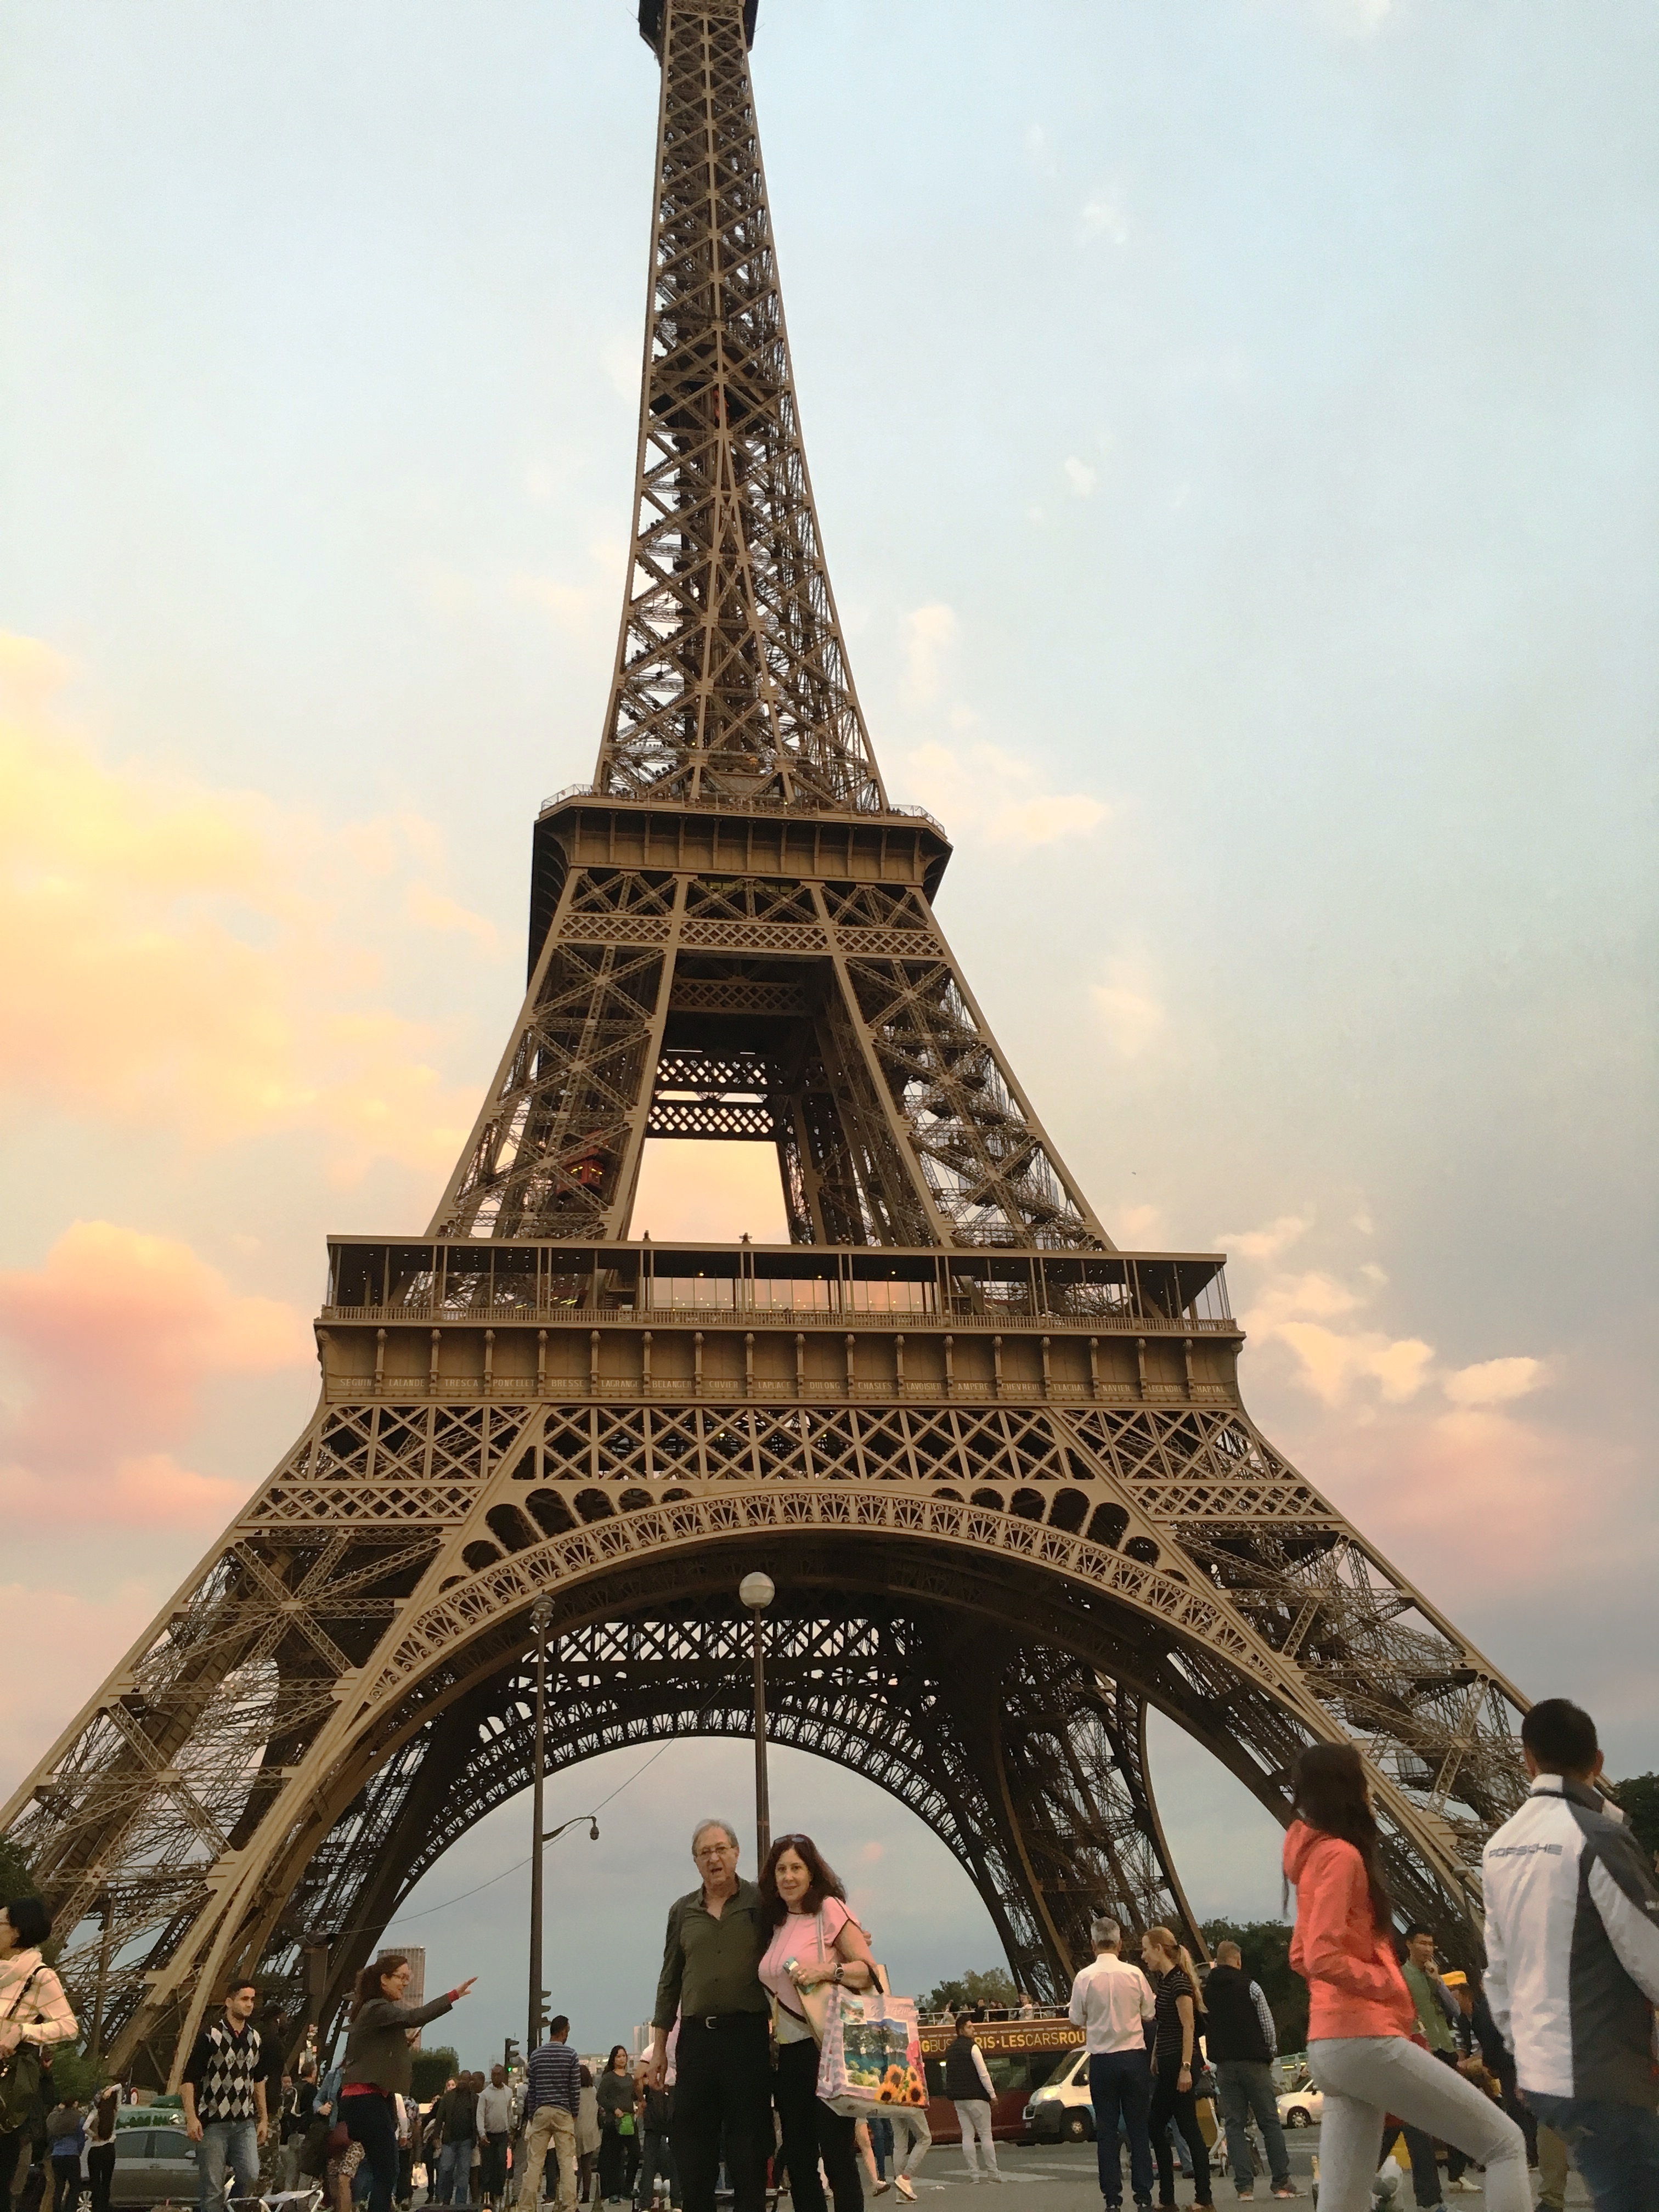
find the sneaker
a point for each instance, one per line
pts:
(1285, 2189)
(1470, 2188)
(881, 2188)
(901, 2183)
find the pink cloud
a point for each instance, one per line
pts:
(78, 1636)
(190, 958)
(155, 1323)
(1478, 1490)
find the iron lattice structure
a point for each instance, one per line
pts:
(999, 1469)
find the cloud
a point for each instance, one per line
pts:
(1139, 1228)
(1081, 476)
(1493, 1382)
(1299, 1312)
(587, 609)
(1333, 1362)
(986, 793)
(1040, 151)
(927, 632)
(1479, 1485)
(192, 959)
(1130, 1011)
(430, 910)
(160, 1323)
(1266, 1243)
(80, 1635)
(1315, 1317)
(1102, 216)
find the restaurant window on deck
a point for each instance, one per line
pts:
(991, 1286)
(356, 1275)
(1093, 1290)
(698, 1293)
(413, 1278)
(874, 1286)
(774, 1291)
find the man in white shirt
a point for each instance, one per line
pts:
(1111, 2001)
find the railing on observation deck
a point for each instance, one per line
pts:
(732, 802)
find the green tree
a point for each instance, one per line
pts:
(1266, 1945)
(74, 2074)
(15, 1879)
(1638, 1799)
(980, 1985)
(432, 2068)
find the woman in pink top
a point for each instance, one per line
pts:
(1360, 2014)
(815, 1942)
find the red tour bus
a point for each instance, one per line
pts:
(1020, 2056)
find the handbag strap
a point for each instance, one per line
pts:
(818, 1924)
(34, 1976)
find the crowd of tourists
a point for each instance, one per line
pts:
(1546, 2058)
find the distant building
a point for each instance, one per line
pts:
(416, 1993)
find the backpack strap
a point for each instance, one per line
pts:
(34, 1976)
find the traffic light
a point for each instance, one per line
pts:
(510, 2054)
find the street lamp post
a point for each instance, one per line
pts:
(541, 1615)
(757, 1592)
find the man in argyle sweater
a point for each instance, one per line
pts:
(224, 2094)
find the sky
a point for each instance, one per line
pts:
(1234, 432)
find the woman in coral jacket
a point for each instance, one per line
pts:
(1360, 2014)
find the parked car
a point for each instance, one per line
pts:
(153, 2164)
(1061, 2110)
(1301, 2106)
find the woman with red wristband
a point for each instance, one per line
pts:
(1364, 2050)
(378, 2065)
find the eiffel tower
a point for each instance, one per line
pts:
(999, 1469)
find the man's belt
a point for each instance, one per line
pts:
(722, 2019)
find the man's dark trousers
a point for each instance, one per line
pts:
(1426, 2169)
(1121, 2082)
(723, 2102)
(1614, 2147)
(1246, 2087)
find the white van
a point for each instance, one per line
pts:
(1059, 2111)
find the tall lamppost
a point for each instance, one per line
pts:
(540, 1615)
(757, 1592)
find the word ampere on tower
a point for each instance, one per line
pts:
(998, 1468)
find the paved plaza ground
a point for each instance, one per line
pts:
(1063, 2177)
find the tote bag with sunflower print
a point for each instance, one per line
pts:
(871, 2052)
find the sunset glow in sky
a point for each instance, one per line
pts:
(1234, 430)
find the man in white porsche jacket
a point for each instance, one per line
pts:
(1572, 1961)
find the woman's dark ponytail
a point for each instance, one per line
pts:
(1328, 1793)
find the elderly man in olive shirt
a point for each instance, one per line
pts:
(717, 1936)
